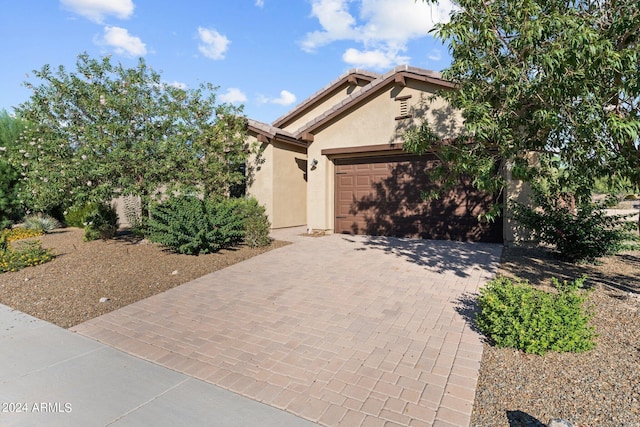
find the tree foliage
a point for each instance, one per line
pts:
(558, 78)
(10, 129)
(105, 130)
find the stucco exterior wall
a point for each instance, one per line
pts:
(514, 233)
(260, 168)
(517, 191)
(371, 123)
(126, 205)
(290, 186)
(330, 100)
(293, 197)
(278, 182)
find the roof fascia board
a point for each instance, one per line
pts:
(267, 132)
(363, 149)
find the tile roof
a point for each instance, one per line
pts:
(274, 132)
(380, 82)
(267, 129)
(376, 82)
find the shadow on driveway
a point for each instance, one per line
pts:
(439, 256)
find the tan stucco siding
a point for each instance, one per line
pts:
(514, 233)
(260, 170)
(290, 186)
(278, 182)
(444, 119)
(370, 123)
(329, 101)
(520, 192)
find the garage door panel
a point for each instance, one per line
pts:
(361, 195)
(384, 197)
(347, 197)
(364, 180)
(345, 181)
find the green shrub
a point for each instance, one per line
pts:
(517, 315)
(582, 234)
(41, 222)
(180, 223)
(76, 216)
(226, 219)
(192, 226)
(26, 255)
(101, 222)
(256, 225)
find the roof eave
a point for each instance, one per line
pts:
(397, 76)
(268, 133)
(351, 77)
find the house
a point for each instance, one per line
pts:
(335, 162)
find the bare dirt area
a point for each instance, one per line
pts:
(67, 291)
(597, 388)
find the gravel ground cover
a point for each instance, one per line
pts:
(67, 290)
(597, 388)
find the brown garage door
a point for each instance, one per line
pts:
(383, 196)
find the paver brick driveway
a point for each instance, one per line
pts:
(340, 330)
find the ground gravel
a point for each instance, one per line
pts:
(597, 388)
(67, 290)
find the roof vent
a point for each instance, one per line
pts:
(405, 113)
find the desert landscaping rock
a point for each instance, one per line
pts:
(594, 389)
(559, 423)
(67, 290)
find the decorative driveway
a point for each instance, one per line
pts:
(340, 330)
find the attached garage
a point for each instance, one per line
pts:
(383, 196)
(349, 137)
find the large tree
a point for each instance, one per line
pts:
(10, 130)
(558, 78)
(105, 130)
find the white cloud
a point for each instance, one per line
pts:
(213, 44)
(286, 98)
(122, 42)
(260, 3)
(97, 10)
(382, 28)
(372, 58)
(233, 96)
(336, 21)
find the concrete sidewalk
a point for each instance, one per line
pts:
(50, 376)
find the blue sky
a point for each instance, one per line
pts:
(268, 55)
